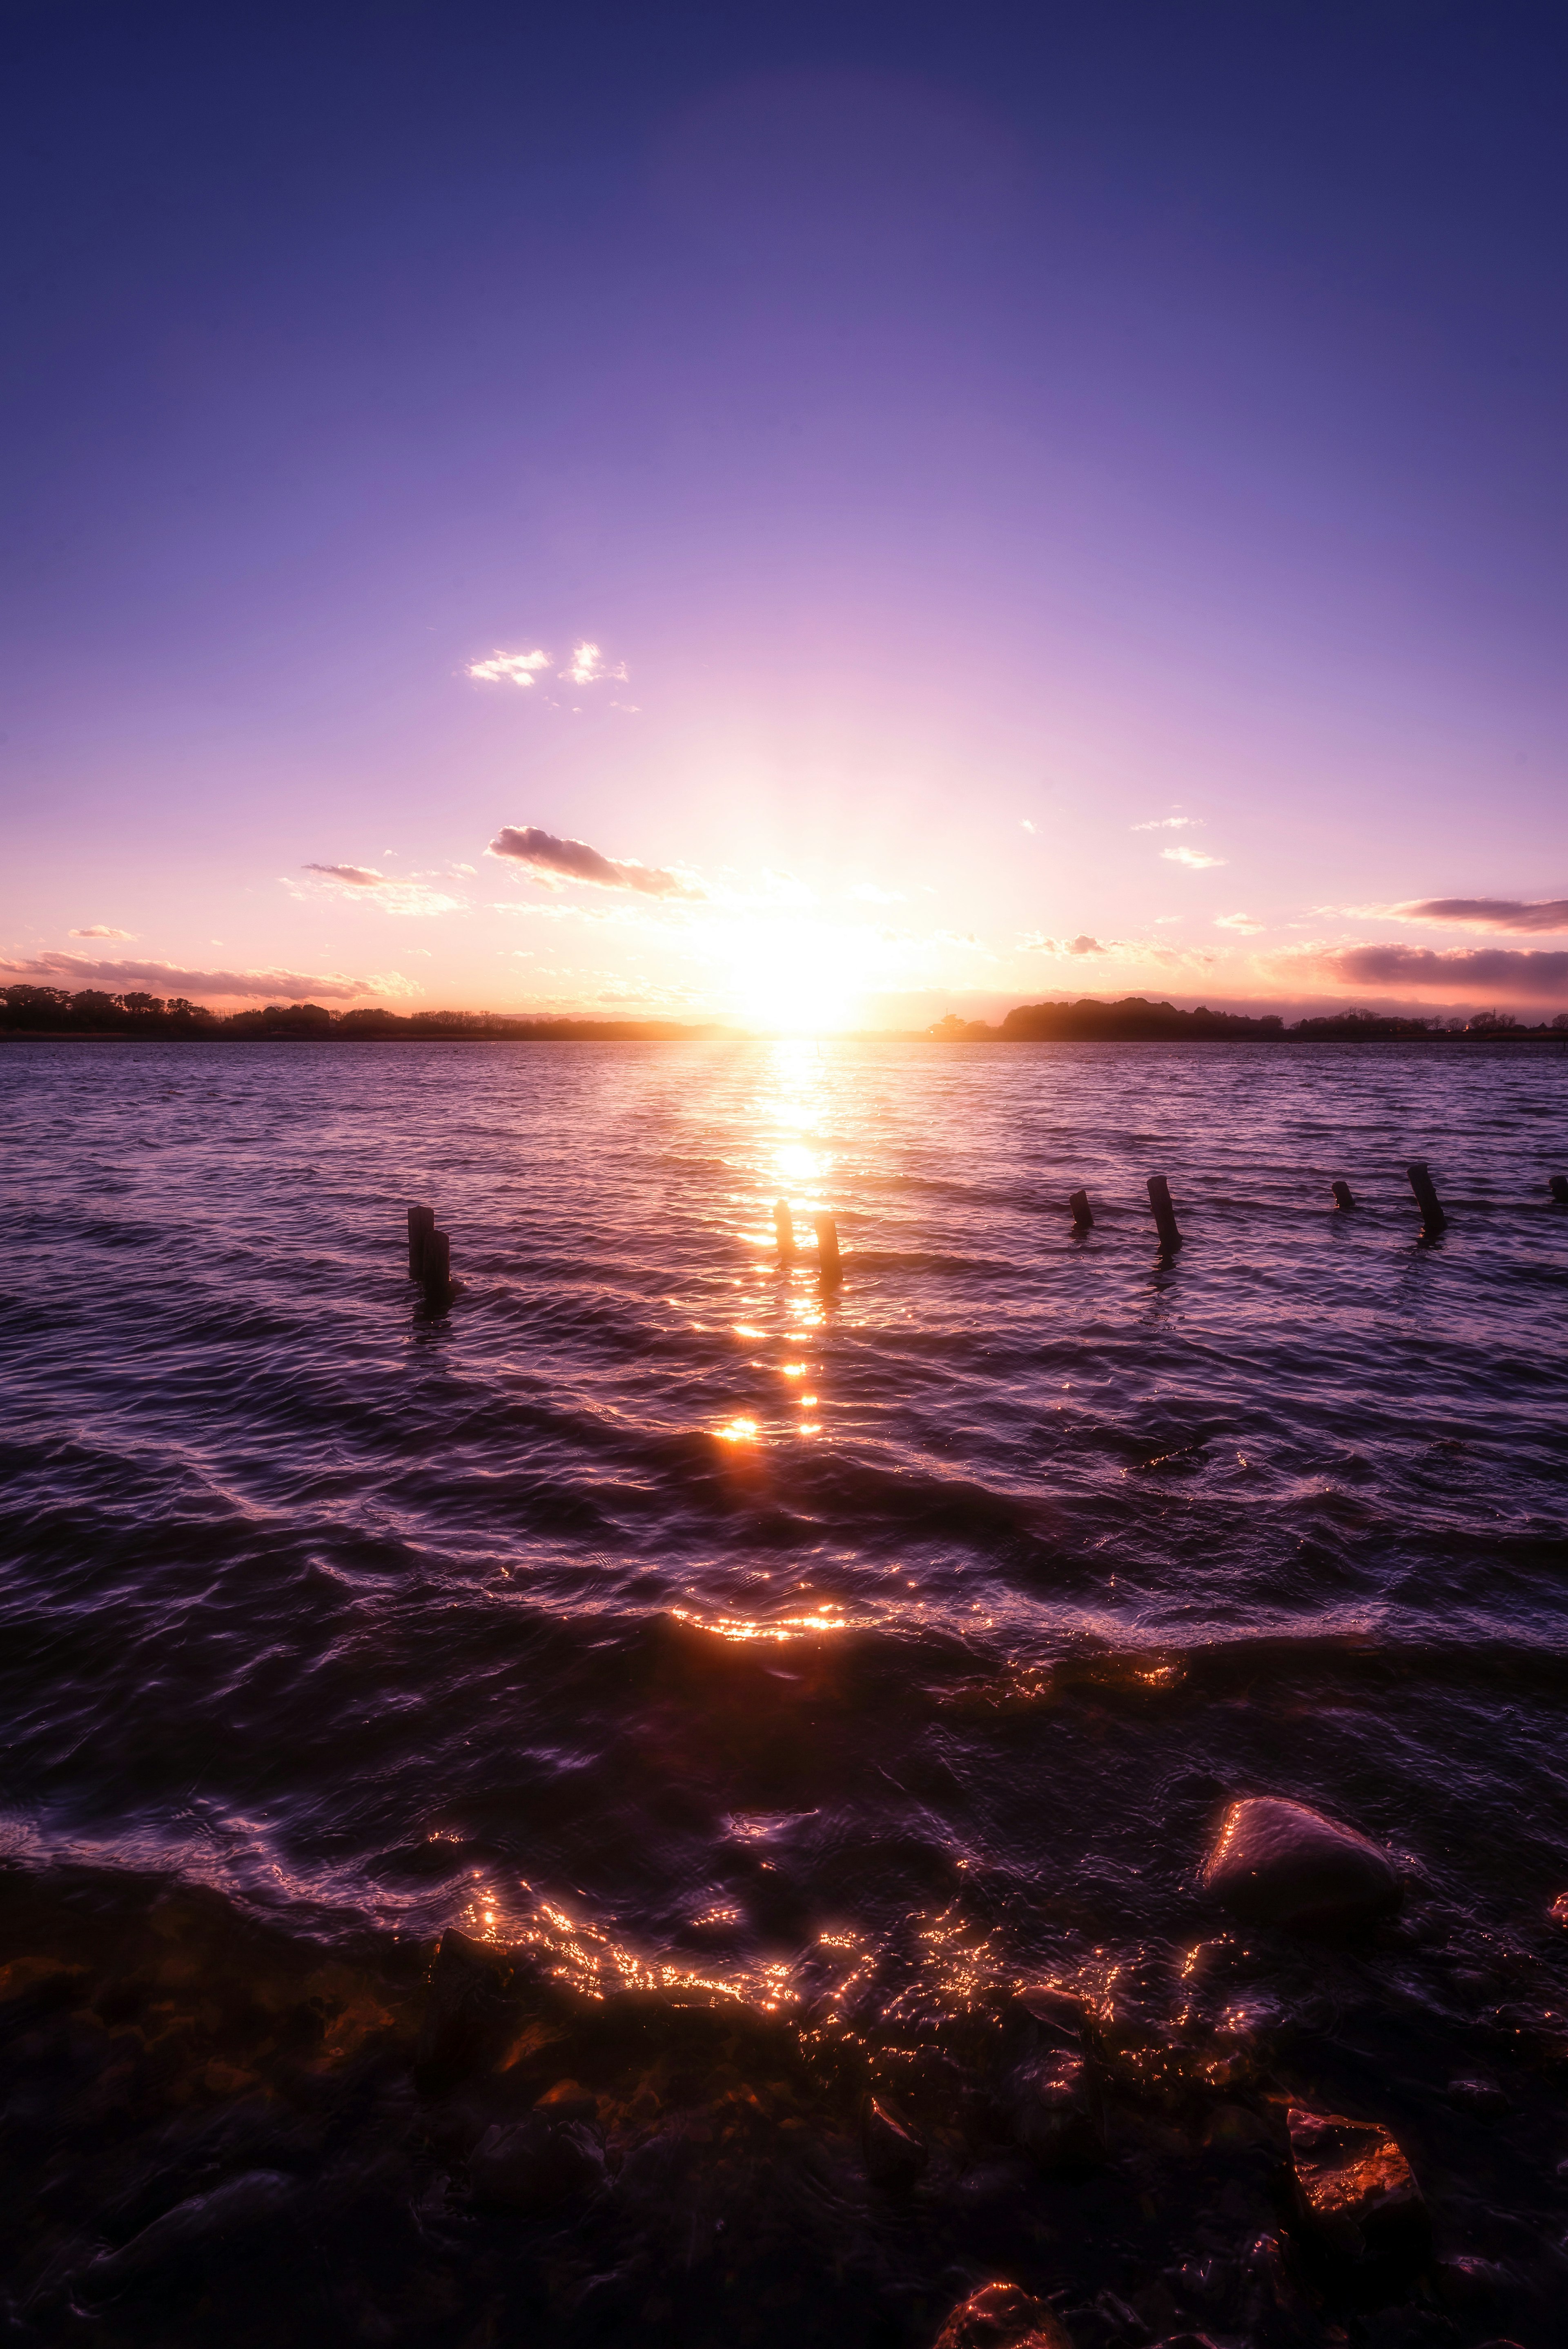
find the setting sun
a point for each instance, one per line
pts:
(803, 974)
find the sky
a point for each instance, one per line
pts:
(815, 516)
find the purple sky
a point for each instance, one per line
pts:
(998, 504)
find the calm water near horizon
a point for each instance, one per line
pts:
(863, 1652)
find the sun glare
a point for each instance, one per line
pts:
(801, 975)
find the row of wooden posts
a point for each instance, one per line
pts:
(430, 1251)
(1433, 1217)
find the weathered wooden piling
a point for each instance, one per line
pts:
(827, 1247)
(1342, 1194)
(784, 1225)
(1558, 1186)
(1083, 1221)
(421, 1221)
(1432, 1216)
(1164, 1212)
(436, 1268)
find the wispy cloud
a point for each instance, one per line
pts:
(586, 667)
(1242, 922)
(1486, 913)
(1172, 824)
(556, 860)
(353, 877)
(871, 895)
(510, 668)
(1025, 824)
(364, 883)
(1193, 858)
(168, 979)
(1522, 974)
(100, 930)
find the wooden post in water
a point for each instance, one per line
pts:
(784, 1225)
(1432, 1216)
(1558, 1186)
(420, 1221)
(1342, 1195)
(827, 1247)
(1083, 1221)
(1164, 1212)
(436, 1268)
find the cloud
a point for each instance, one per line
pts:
(1026, 826)
(363, 881)
(100, 930)
(169, 979)
(1193, 857)
(1082, 944)
(1487, 913)
(1524, 974)
(1242, 922)
(586, 667)
(872, 895)
(512, 668)
(1182, 957)
(1172, 824)
(574, 860)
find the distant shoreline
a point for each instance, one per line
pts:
(1511, 1036)
(44, 1014)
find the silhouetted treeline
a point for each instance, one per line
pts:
(1135, 1020)
(51, 1011)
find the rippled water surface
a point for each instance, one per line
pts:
(864, 1650)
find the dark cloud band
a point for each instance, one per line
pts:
(1523, 973)
(168, 979)
(1489, 913)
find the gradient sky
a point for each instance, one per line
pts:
(1009, 501)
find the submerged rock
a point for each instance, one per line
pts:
(1478, 2095)
(1355, 2193)
(230, 2209)
(469, 2014)
(1054, 2092)
(1278, 1863)
(537, 2163)
(1000, 2316)
(894, 2156)
(1058, 2110)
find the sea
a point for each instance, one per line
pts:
(773, 1677)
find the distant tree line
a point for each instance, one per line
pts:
(51, 1010)
(1135, 1020)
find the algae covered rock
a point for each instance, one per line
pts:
(1278, 1863)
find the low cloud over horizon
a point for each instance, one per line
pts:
(166, 978)
(1488, 913)
(557, 860)
(1524, 975)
